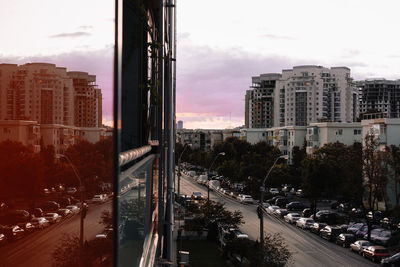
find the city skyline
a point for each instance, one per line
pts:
(215, 66)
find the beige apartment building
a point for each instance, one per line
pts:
(41, 103)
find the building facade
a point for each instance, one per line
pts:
(380, 96)
(308, 94)
(259, 103)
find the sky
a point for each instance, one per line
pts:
(75, 34)
(221, 45)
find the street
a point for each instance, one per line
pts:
(37, 248)
(308, 249)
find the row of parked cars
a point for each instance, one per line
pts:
(330, 225)
(16, 224)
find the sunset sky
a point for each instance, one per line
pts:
(221, 44)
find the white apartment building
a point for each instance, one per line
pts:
(319, 134)
(25, 132)
(386, 131)
(253, 135)
(285, 138)
(309, 94)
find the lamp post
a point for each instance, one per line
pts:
(81, 188)
(208, 173)
(260, 207)
(179, 169)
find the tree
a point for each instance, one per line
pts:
(394, 164)
(274, 251)
(69, 253)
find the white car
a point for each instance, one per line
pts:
(74, 209)
(52, 217)
(98, 199)
(247, 199)
(40, 222)
(304, 223)
(274, 191)
(271, 209)
(291, 217)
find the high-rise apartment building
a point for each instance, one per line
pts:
(381, 96)
(308, 94)
(260, 101)
(38, 92)
(88, 100)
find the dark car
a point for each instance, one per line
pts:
(281, 202)
(49, 206)
(388, 223)
(376, 253)
(330, 232)
(295, 206)
(307, 212)
(16, 216)
(271, 201)
(345, 240)
(12, 232)
(374, 217)
(316, 227)
(352, 229)
(37, 212)
(27, 227)
(327, 216)
(391, 261)
(344, 207)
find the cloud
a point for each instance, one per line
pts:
(85, 27)
(214, 82)
(70, 35)
(274, 36)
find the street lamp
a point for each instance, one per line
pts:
(260, 207)
(179, 168)
(208, 173)
(81, 188)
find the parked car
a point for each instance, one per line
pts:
(27, 227)
(354, 228)
(73, 208)
(304, 223)
(344, 207)
(37, 212)
(281, 212)
(40, 222)
(64, 213)
(3, 239)
(307, 212)
(281, 202)
(359, 246)
(274, 191)
(52, 217)
(375, 217)
(71, 190)
(12, 232)
(271, 209)
(374, 233)
(98, 199)
(299, 193)
(49, 206)
(291, 217)
(383, 238)
(391, 261)
(316, 227)
(247, 199)
(345, 240)
(376, 253)
(330, 232)
(295, 206)
(271, 201)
